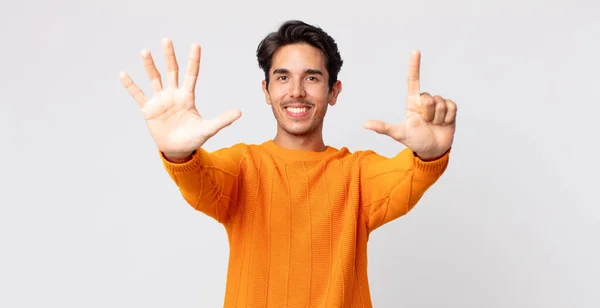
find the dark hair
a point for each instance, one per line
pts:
(295, 31)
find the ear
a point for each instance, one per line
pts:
(335, 91)
(266, 92)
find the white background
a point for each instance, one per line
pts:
(89, 217)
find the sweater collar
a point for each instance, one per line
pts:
(297, 155)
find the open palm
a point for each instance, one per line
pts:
(174, 123)
(429, 124)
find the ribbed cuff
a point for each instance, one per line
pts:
(433, 166)
(191, 165)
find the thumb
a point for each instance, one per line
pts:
(223, 120)
(228, 117)
(397, 132)
(379, 127)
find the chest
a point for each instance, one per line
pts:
(301, 198)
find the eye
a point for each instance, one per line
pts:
(282, 78)
(312, 78)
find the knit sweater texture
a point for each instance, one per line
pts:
(298, 221)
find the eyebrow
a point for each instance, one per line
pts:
(310, 71)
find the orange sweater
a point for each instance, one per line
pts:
(298, 222)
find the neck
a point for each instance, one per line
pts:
(310, 142)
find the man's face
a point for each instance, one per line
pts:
(298, 89)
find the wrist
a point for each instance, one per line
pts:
(424, 156)
(178, 158)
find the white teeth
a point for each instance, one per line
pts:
(297, 110)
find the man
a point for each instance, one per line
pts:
(298, 213)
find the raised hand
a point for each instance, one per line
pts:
(429, 126)
(171, 115)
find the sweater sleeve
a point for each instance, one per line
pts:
(209, 182)
(391, 187)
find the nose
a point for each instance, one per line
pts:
(297, 89)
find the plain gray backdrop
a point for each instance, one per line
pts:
(89, 217)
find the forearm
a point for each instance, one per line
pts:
(400, 184)
(422, 176)
(206, 181)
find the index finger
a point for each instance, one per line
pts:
(414, 66)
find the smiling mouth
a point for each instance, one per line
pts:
(297, 109)
(297, 112)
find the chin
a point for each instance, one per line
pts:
(300, 129)
(295, 130)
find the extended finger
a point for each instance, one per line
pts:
(172, 66)
(427, 107)
(397, 132)
(193, 68)
(133, 89)
(151, 70)
(451, 113)
(440, 110)
(414, 83)
(379, 127)
(223, 120)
